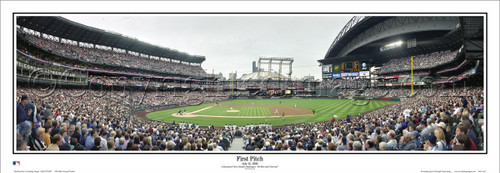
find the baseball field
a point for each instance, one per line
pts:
(270, 111)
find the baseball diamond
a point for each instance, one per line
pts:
(262, 111)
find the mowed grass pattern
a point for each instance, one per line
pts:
(244, 111)
(325, 109)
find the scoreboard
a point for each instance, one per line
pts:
(346, 69)
(350, 66)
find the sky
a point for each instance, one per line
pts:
(231, 42)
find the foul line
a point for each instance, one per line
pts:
(193, 114)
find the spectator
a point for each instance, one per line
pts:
(461, 130)
(441, 141)
(392, 142)
(89, 141)
(406, 143)
(370, 146)
(75, 145)
(382, 146)
(357, 146)
(46, 136)
(56, 142)
(38, 144)
(21, 144)
(97, 144)
(23, 119)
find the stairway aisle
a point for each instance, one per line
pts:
(237, 145)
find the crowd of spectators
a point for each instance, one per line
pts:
(73, 119)
(461, 92)
(106, 57)
(348, 92)
(150, 82)
(89, 67)
(427, 92)
(423, 61)
(375, 92)
(415, 73)
(401, 92)
(416, 124)
(263, 84)
(406, 92)
(344, 83)
(62, 121)
(267, 84)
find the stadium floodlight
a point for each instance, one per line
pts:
(391, 45)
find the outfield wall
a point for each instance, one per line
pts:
(321, 97)
(328, 92)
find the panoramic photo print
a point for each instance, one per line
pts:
(239, 83)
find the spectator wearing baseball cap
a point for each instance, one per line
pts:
(430, 143)
(83, 138)
(23, 120)
(47, 112)
(416, 139)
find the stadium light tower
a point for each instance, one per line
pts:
(276, 61)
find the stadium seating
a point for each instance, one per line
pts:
(98, 56)
(420, 62)
(76, 116)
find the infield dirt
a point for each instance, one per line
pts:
(288, 110)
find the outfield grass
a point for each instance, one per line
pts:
(325, 109)
(244, 111)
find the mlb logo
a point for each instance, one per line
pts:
(18, 163)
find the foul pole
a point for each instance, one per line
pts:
(232, 86)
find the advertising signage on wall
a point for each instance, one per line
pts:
(467, 74)
(337, 68)
(364, 66)
(336, 75)
(353, 74)
(349, 74)
(327, 76)
(364, 73)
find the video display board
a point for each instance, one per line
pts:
(327, 68)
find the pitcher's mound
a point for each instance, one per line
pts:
(233, 111)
